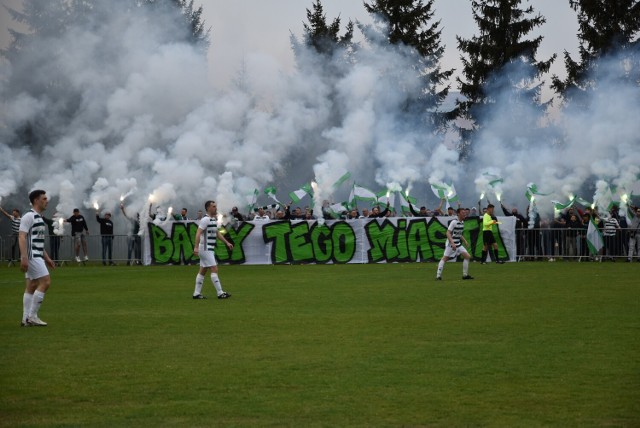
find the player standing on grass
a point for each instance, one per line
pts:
(453, 247)
(204, 246)
(34, 259)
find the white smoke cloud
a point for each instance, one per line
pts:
(150, 123)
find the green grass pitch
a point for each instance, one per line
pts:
(524, 344)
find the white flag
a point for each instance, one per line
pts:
(594, 238)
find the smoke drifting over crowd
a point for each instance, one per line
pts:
(150, 127)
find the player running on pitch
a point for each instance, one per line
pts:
(204, 246)
(453, 247)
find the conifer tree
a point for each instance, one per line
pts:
(499, 62)
(410, 23)
(607, 28)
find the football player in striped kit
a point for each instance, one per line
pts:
(34, 259)
(454, 247)
(204, 247)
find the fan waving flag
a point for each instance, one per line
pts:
(444, 191)
(335, 210)
(594, 238)
(363, 194)
(405, 200)
(560, 206)
(532, 190)
(297, 195)
(251, 199)
(271, 192)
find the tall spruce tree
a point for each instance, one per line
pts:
(500, 63)
(195, 32)
(607, 28)
(410, 23)
(322, 38)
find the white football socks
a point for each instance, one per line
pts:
(216, 283)
(26, 306)
(38, 297)
(199, 282)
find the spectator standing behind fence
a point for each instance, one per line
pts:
(106, 234)
(634, 235)
(609, 234)
(375, 212)
(236, 214)
(15, 228)
(134, 241)
(261, 215)
(534, 234)
(572, 237)
(78, 231)
(520, 225)
(54, 241)
(182, 216)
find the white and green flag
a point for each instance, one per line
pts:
(445, 191)
(594, 238)
(405, 200)
(337, 209)
(363, 194)
(297, 195)
(532, 190)
(341, 180)
(251, 199)
(271, 192)
(386, 197)
(559, 206)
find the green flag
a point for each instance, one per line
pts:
(297, 195)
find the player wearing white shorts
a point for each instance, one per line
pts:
(454, 247)
(204, 246)
(34, 259)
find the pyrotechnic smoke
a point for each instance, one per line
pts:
(150, 123)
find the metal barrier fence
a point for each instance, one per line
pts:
(123, 249)
(571, 244)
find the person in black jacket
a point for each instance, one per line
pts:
(375, 212)
(78, 231)
(521, 224)
(106, 231)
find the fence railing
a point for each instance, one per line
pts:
(124, 249)
(570, 244)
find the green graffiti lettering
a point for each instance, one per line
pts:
(418, 241)
(178, 246)
(182, 241)
(437, 235)
(236, 237)
(381, 241)
(277, 233)
(473, 236)
(321, 243)
(161, 245)
(401, 241)
(300, 243)
(344, 242)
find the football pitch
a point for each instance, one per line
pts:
(523, 344)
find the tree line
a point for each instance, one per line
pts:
(501, 58)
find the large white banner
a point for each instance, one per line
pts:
(384, 240)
